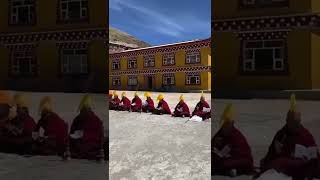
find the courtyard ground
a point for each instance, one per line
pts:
(144, 146)
(259, 119)
(52, 168)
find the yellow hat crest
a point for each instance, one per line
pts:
(136, 94)
(124, 94)
(6, 98)
(227, 115)
(45, 104)
(85, 102)
(115, 93)
(147, 94)
(181, 98)
(293, 103)
(160, 97)
(20, 100)
(202, 94)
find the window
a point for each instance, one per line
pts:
(132, 81)
(193, 79)
(193, 57)
(263, 3)
(115, 64)
(168, 79)
(132, 63)
(168, 59)
(74, 61)
(22, 11)
(23, 62)
(149, 61)
(73, 9)
(116, 81)
(264, 55)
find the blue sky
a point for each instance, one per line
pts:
(162, 21)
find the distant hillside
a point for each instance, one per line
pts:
(119, 37)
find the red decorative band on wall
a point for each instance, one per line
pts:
(72, 45)
(163, 71)
(263, 35)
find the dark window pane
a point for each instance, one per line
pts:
(68, 52)
(254, 44)
(84, 3)
(74, 10)
(63, 6)
(24, 66)
(249, 54)
(278, 64)
(278, 53)
(264, 59)
(273, 44)
(23, 14)
(248, 65)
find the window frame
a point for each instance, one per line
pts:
(147, 58)
(115, 62)
(276, 71)
(32, 20)
(132, 60)
(164, 76)
(133, 77)
(243, 6)
(116, 79)
(188, 76)
(192, 53)
(173, 58)
(15, 63)
(60, 11)
(62, 63)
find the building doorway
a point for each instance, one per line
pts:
(149, 82)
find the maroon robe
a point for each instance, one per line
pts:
(149, 107)
(19, 138)
(283, 161)
(199, 110)
(164, 108)
(56, 131)
(114, 103)
(185, 110)
(126, 104)
(138, 106)
(89, 146)
(240, 155)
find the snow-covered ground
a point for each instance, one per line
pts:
(53, 168)
(260, 119)
(145, 146)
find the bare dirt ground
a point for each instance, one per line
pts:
(52, 168)
(259, 119)
(144, 146)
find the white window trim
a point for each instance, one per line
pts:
(14, 16)
(198, 79)
(116, 79)
(66, 64)
(245, 60)
(115, 62)
(66, 11)
(18, 59)
(148, 60)
(172, 79)
(130, 78)
(135, 63)
(168, 59)
(190, 54)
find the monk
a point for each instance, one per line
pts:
(182, 109)
(51, 133)
(125, 103)
(136, 103)
(163, 107)
(202, 109)
(231, 153)
(114, 103)
(20, 128)
(148, 105)
(282, 155)
(86, 133)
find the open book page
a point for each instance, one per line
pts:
(305, 152)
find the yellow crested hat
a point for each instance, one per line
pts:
(86, 102)
(123, 94)
(147, 94)
(136, 94)
(45, 104)
(181, 98)
(160, 97)
(6, 98)
(115, 93)
(227, 115)
(202, 94)
(293, 103)
(20, 100)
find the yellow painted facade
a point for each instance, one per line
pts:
(47, 37)
(180, 69)
(234, 26)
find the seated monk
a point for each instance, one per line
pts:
(148, 105)
(86, 133)
(136, 105)
(182, 109)
(110, 96)
(114, 103)
(124, 103)
(202, 109)
(282, 155)
(163, 107)
(51, 133)
(20, 128)
(231, 153)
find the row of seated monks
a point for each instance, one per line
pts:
(20, 134)
(202, 108)
(231, 153)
